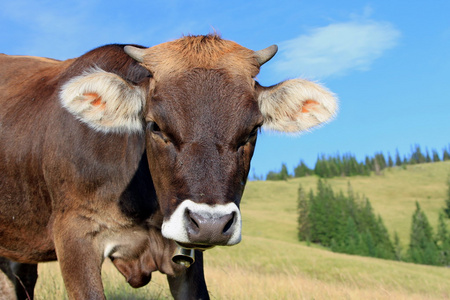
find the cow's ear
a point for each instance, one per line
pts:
(104, 101)
(296, 105)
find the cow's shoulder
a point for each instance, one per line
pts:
(109, 58)
(23, 71)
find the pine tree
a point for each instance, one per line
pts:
(417, 156)
(445, 155)
(369, 163)
(333, 167)
(397, 247)
(327, 169)
(385, 248)
(379, 157)
(303, 216)
(447, 201)
(398, 159)
(284, 175)
(325, 214)
(272, 176)
(302, 170)
(443, 241)
(428, 157)
(317, 214)
(355, 168)
(366, 169)
(368, 245)
(337, 221)
(390, 161)
(436, 157)
(327, 199)
(319, 168)
(405, 161)
(422, 247)
(351, 243)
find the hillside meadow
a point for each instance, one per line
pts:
(270, 263)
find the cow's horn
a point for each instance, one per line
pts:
(135, 53)
(184, 256)
(264, 55)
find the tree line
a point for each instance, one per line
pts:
(348, 224)
(347, 164)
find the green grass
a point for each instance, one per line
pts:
(271, 264)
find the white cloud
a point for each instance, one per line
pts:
(336, 49)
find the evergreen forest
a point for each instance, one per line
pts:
(328, 166)
(346, 223)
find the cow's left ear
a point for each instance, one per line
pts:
(296, 105)
(104, 101)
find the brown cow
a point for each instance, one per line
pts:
(124, 151)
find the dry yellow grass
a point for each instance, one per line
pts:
(259, 269)
(50, 285)
(265, 270)
(271, 264)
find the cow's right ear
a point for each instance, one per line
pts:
(296, 105)
(104, 101)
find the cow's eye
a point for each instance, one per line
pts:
(254, 132)
(154, 128)
(250, 137)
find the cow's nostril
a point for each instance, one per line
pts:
(228, 225)
(195, 223)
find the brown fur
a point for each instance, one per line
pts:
(207, 52)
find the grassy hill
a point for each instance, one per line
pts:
(271, 264)
(392, 195)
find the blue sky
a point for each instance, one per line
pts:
(388, 61)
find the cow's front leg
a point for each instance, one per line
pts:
(6, 280)
(80, 257)
(25, 279)
(190, 285)
(22, 276)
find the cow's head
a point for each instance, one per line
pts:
(201, 111)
